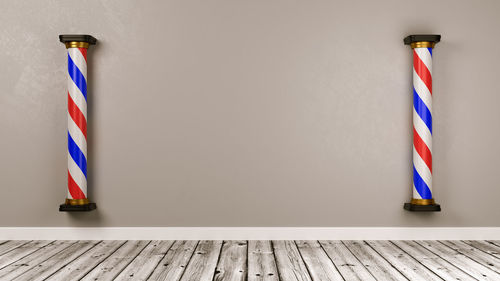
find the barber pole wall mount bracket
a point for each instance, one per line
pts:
(422, 46)
(76, 200)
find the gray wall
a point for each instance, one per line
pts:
(249, 113)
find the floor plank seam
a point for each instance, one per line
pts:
(437, 254)
(15, 247)
(131, 260)
(190, 258)
(276, 260)
(357, 258)
(435, 273)
(482, 249)
(218, 260)
(72, 260)
(246, 262)
(334, 265)
(22, 257)
(159, 261)
(109, 255)
(34, 266)
(463, 254)
(384, 258)
(487, 265)
(496, 243)
(302, 258)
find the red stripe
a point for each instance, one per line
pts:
(84, 53)
(77, 116)
(422, 149)
(422, 71)
(74, 189)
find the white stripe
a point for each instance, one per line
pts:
(422, 90)
(416, 195)
(69, 195)
(425, 57)
(422, 130)
(249, 233)
(77, 135)
(78, 60)
(422, 168)
(77, 96)
(77, 175)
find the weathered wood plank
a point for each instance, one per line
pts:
(28, 262)
(261, 263)
(348, 265)
(172, 266)
(477, 255)
(459, 260)
(87, 261)
(22, 251)
(202, 264)
(318, 263)
(439, 266)
(116, 262)
(232, 261)
(378, 266)
(484, 246)
(290, 265)
(57, 261)
(144, 264)
(404, 263)
(267, 261)
(11, 245)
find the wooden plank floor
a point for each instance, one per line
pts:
(250, 260)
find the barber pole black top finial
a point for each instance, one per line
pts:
(433, 38)
(65, 38)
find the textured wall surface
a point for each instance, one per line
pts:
(249, 113)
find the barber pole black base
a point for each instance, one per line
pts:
(77, 208)
(422, 208)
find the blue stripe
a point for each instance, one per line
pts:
(421, 186)
(77, 77)
(77, 155)
(430, 51)
(422, 110)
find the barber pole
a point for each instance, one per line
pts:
(422, 46)
(76, 199)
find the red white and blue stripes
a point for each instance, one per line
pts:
(422, 123)
(77, 123)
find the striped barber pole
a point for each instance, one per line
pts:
(77, 46)
(422, 46)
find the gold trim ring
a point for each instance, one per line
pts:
(423, 44)
(76, 44)
(74, 202)
(423, 201)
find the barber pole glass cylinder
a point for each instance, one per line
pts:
(422, 46)
(77, 45)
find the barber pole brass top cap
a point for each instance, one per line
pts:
(432, 38)
(66, 38)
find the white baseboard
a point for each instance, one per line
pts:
(250, 233)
